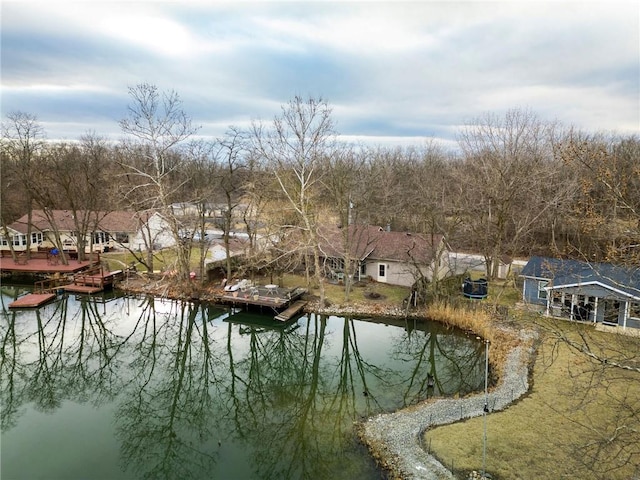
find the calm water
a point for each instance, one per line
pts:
(125, 388)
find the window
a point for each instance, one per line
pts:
(36, 238)
(19, 240)
(611, 312)
(122, 237)
(100, 237)
(382, 270)
(634, 311)
(4, 241)
(363, 269)
(336, 263)
(542, 293)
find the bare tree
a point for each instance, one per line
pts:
(384, 187)
(431, 203)
(156, 126)
(73, 177)
(233, 162)
(507, 166)
(293, 147)
(22, 142)
(605, 212)
(197, 186)
(344, 188)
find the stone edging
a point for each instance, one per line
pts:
(395, 439)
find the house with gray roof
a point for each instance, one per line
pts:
(582, 291)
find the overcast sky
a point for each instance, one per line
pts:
(393, 72)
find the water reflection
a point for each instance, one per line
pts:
(195, 391)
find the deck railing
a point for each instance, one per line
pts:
(48, 285)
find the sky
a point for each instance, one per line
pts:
(394, 73)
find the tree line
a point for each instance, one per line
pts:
(517, 185)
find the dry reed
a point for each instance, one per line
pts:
(482, 323)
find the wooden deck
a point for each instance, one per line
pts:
(88, 289)
(275, 298)
(42, 264)
(32, 300)
(92, 281)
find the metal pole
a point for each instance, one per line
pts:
(486, 407)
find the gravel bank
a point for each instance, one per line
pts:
(394, 439)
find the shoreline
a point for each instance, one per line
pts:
(394, 440)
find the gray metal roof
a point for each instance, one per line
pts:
(569, 273)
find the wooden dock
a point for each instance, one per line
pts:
(260, 296)
(92, 281)
(41, 263)
(32, 300)
(289, 313)
(76, 288)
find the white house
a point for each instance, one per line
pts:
(152, 232)
(398, 258)
(105, 231)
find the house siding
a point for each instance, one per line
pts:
(601, 293)
(158, 230)
(397, 273)
(530, 291)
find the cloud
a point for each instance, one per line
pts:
(389, 70)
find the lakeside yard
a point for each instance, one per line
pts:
(579, 419)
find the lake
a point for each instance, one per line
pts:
(115, 386)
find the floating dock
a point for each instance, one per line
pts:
(88, 289)
(290, 312)
(32, 300)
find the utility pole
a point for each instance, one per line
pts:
(486, 407)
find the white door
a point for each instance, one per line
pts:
(382, 272)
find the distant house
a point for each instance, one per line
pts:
(152, 232)
(398, 258)
(105, 231)
(461, 263)
(217, 252)
(592, 292)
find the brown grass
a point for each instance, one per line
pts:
(389, 294)
(547, 434)
(479, 321)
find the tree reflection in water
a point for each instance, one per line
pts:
(198, 393)
(166, 418)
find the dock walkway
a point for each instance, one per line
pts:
(293, 309)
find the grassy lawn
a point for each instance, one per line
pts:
(389, 294)
(550, 433)
(163, 260)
